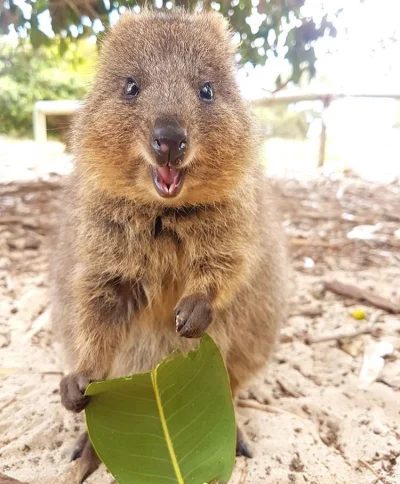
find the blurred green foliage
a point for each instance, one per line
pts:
(281, 121)
(28, 75)
(58, 65)
(265, 27)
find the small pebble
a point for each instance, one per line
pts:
(364, 421)
(378, 427)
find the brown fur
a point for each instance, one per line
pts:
(126, 258)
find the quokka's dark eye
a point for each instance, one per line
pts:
(206, 92)
(131, 88)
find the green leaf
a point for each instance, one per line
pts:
(62, 46)
(175, 424)
(37, 37)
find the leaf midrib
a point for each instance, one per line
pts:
(164, 425)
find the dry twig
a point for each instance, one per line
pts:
(350, 335)
(254, 405)
(310, 311)
(6, 404)
(8, 189)
(370, 468)
(298, 241)
(355, 292)
(334, 337)
(289, 389)
(244, 470)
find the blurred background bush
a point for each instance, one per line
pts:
(51, 50)
(28, 74)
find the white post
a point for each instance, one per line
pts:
(39, 125)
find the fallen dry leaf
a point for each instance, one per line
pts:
(373, 361)
(352, 348)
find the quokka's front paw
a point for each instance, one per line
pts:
(193, 315)
(72, 389)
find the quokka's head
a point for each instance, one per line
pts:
(164, 121)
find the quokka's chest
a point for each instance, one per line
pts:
(160, 252)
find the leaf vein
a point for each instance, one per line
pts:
(204, 461)
(186, 384)
(127, 413)
(191, 422)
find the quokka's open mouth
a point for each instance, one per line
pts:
(168, 180)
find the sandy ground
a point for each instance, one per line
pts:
(326, 429)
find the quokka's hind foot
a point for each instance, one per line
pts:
(88, 460)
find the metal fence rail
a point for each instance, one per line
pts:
(326, 99)
(68, 108)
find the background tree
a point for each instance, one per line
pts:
(264, 27)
